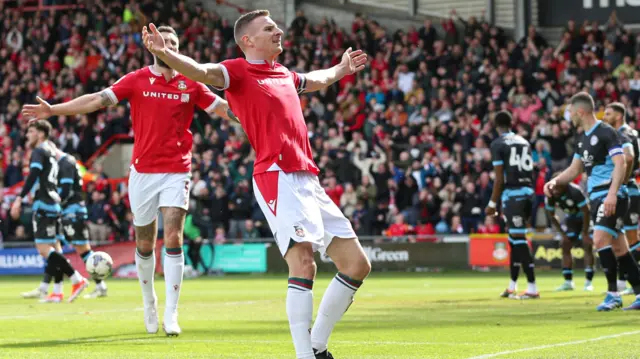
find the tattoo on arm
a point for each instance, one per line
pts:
(232, 115)
(105, 100)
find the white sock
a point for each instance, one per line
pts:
(532, 288)
(513, 285)
(57, 288)
(76, 277)
(587, 282)
(336, 301)
(146, 267)
(44, 287)
(102, 285)
(173, 271)
(569, 282)
(300, 313)
(615, 294)
(621, 285)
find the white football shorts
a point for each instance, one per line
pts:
(150, 191)
(299, 210)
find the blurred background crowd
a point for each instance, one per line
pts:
(403, 146)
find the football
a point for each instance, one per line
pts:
(99, 265)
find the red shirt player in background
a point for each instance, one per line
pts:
(303, 219)
(162, 103)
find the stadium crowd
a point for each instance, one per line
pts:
(403, 148)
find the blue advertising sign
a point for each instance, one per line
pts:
(21, 261)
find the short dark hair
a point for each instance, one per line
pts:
(503, 120)
(618, 107)
(585, 100)
(42, 126)
(243, 21)
(166, 28)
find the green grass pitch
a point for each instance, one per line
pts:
(403, 316)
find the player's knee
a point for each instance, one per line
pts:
(566, 245)
(357, 267)
(145, 245)
(301, 261)
(619, 248)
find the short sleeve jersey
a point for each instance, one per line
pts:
(595, 149)
(571, 202)
(162, 112)
(43, 157)
(513, 153)
(69, 174)
(265, 99)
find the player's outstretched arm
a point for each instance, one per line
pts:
(210, 74)
(78, 106)
(565, 176)
(352, 62)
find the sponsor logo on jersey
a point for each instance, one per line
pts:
(163, 95)
(275, 81)
(184, 98)
(152, 80)
(587, 159)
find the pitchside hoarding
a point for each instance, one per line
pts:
(557, 12)
(401, 257)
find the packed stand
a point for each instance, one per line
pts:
(403, 147)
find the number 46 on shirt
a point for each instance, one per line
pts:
(524, 161)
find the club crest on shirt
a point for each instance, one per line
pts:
(182, 86)
(299, 231)
(594, 140)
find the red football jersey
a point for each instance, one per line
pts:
(265, 99)
(161, 112)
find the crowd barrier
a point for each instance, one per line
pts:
(462, 252)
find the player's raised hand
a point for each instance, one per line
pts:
(41, 111)
(153, 40)
(353, 61)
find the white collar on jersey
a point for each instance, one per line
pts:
(259, 62)
(153, 71)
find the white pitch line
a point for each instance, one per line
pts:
(89, 312)
(575, 342)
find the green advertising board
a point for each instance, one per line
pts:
(234, 258)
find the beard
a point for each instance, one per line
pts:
(161, 63)
(577, 122)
